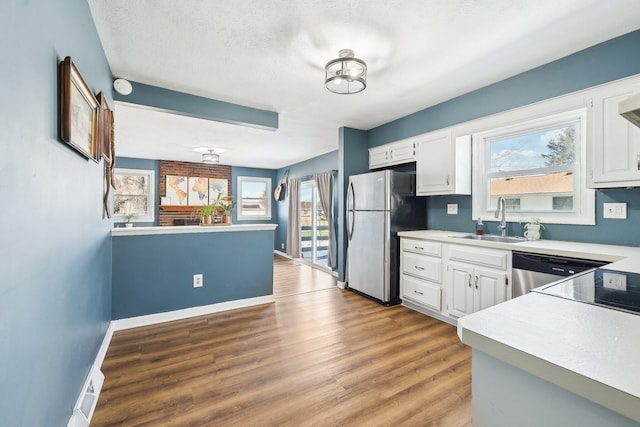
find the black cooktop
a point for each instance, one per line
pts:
(608, 288)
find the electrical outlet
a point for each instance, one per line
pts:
(283, 246)
(614, 210)
(452, 209)
(614, 281)
(198, 280)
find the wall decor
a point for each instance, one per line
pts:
(217, 186)
(106, 147)
(198, 191)
(176, 190)
(78, 111)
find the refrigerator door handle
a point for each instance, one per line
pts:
(351, 200)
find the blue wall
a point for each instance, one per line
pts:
(154, 273)
(154, 165)
(353, 159)
(322, 163)
(55, 245)
(599, 64)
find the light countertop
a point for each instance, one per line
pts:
(625, 258)
(187, 229)
(589, 350)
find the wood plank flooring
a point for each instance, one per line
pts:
(323, 358)
(295, 277)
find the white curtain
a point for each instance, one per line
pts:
(293, 228)
(324, 183)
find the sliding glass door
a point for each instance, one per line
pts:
(314, 227)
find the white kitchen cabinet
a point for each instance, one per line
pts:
(477, 278)
(394, 153)
(443, 164)
(421, 274)
(614, 152)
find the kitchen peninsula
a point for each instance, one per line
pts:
(541, 360)
(154, 268)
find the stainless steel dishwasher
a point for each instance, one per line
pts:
(533, 270)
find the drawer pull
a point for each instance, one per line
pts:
(419, 248)
(417, 292)
(417, 267)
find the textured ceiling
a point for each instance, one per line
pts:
(271, 54)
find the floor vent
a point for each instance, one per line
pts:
(86, 404)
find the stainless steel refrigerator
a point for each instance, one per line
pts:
(379, 204)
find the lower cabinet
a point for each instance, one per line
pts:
(473, 288)
(448, 281)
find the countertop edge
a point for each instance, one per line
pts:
(592, 251)
(188, 229)
(581, 385)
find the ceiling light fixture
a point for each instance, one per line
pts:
(210, 157)
(346, 74)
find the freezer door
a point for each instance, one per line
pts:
(369, 247)
(369, 191)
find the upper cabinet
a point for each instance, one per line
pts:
(614, 152)
(395, 153)
(443, 164)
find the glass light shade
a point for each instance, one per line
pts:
(210, 157)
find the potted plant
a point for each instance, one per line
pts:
(227, 204)
(532, 229)
(205, 213)
(128, 216)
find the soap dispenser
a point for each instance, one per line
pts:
(479, 227)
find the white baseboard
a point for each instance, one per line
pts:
(152, 319)
(341, 284)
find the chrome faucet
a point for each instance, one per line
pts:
(503, 222)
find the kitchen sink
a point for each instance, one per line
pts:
(491, 238)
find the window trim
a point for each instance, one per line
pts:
(239, 215)
(151, 199)
(584, 198)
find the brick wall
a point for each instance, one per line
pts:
(168, 214)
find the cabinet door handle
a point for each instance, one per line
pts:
(469, 280)
(419, 293)
(639, 161)
(417, 267)
(476, 282)
(447, 179)
(419, 248)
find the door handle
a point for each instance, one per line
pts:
(351, 195)
(469, 280)
(476, 282)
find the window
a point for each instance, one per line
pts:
(255, 198)
(537, 166)
(134, 195)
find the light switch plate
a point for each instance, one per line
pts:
(614, 210)
(452, 209)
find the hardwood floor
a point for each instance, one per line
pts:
(294, 277)
(323, 358)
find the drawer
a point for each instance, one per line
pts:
(493, 258)
(422, 292)
(426, 267)
(421, 247)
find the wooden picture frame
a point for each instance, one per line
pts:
(105, 128)
(78, 111)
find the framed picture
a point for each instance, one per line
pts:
(198, 191)
(105, 129)
(176, 190)
(217, 186)
(78, 111)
